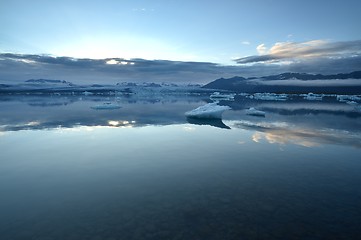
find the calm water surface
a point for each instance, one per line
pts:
(144, 172)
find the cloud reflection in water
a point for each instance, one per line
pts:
(284, 133)
(305, 124)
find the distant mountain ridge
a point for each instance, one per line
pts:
(51, 81)
(307, 76)
(284, 83)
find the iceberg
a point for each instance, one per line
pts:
(208, 111)
(106, 105)
(352, 103)
(269, 96)
(254, 112)
(312, 97)
(220, 96)
(86, 93)
(345, 98)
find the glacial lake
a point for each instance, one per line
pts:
(145, 171)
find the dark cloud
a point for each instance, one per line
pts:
(25, 66)
(315, 83)
(256, 59)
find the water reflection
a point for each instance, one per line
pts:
(144, 172)
(18, 114)
(302, 123)
(218, 123)
(284, 133)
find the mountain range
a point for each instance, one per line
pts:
(342, 83)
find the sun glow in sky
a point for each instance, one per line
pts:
(168, 40)
(213, 31)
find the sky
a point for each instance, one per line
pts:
(243, 37)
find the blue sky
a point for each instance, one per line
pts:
(222, 32)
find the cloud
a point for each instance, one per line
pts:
(256, 59)
(311, 57)
(20, 67)
(261, 49)
(245, 42)
(293, 51)
(315, 83)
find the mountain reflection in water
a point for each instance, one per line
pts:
(304, 123)
(145, 171)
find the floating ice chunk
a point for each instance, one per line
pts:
(345, 98)
(106, 105)
(254, 112)
(342, 98)
(313, 97)
(220, 96)
(86, 93)
(210, 110)
(269, 96)
(355, 98)
(351, 103)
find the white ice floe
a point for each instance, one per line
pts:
(254, 112)
(269, 96)
(210, 110)
(312, 97)
(86, 93)
(351, 103)
(106, 105)
(221, 96)
(345, 98)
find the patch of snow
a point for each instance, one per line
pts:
(209, 111)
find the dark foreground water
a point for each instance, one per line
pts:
(144, 172)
